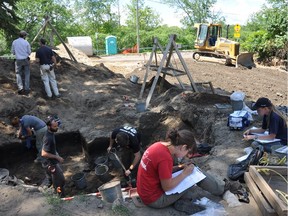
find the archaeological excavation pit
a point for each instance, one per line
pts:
(78, 158)
(200, 115)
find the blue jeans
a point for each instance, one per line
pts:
(22, 68)
(27, 140)
(39, 139)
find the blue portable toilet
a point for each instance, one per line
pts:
(111, 45)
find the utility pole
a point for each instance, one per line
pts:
(119, 18)
(137, 26)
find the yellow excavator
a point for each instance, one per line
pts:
(210, 43)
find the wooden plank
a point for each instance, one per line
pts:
(192, 83)
(155, 43)
(67, 49)
(42, 28)
(278, 205)
(210, 85)
(158, 72)
(155, 67)
(262, 203)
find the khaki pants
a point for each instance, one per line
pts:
(210, 184)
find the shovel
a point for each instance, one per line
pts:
(119, 161)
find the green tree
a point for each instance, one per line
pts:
(33, 13)
(9, 21)
(148, 18)
(196, 11)
(148, 21)
(96, 15)
(268, 31)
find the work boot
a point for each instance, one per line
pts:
(21, 92)
(232, 186)
(123, 183)
(187, 206)
(60, 191)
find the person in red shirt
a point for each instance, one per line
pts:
(154, 176)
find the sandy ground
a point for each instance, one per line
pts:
(99, 97)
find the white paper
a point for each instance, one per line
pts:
(264, 134)
(261, 134)
(244, 157)
(238, 113)
(195, 177)
(267, 141)
(283, 150)
(247, 150)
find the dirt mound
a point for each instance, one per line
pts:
(205, 98)
(78, 54)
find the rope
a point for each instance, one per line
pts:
(266, 171)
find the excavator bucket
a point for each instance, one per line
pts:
(245, 60)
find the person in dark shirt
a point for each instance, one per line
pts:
(274, 122)
(47, 60)
(53, 171)
(128, 143)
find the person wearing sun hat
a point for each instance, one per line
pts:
(274, 122)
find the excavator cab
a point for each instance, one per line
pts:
(210, 43)
(207, 36)
(213, 34)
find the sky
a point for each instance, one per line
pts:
(235, 12)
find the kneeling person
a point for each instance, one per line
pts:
(128, 142)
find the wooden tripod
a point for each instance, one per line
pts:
(43, 28)
(165, 67)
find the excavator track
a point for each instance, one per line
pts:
(196, 56)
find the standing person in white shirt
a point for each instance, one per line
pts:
(22, 49)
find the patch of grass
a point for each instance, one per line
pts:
(121, 210)
(56, 204)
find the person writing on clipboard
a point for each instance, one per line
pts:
(155, 178)
(273, 121)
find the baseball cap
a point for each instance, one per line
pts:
(262, 102)
(23, 33)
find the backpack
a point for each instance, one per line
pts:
(203, 148)
(236, 171)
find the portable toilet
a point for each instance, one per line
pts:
(111, 45)
(82, 43)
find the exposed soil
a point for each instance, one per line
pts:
(97, 97)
